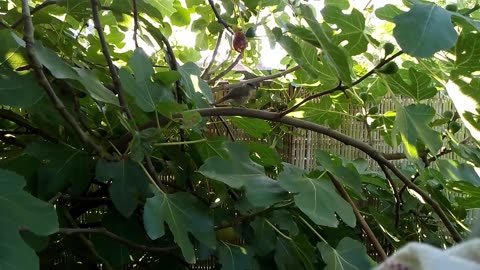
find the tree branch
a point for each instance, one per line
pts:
(117, 238)
(34, 10)
(219, 18)
(341, 87)
(22, 122)
(255, 80)
(224, 72)
(214, 54)
(86, 241)
(135, 22)
(366, 228)
(347, 140)
(113, 71)
(43, 81)
(398, 198)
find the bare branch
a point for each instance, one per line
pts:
(86, 241)
(219, 18)
(135, 22)
(113, 71)
(43, 81)
(214, 54)
(366, 228)
(118, 239)
(398, 198)
(22, 122)
(224, 72)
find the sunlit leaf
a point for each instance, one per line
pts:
(424, 30)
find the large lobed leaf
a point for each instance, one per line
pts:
(412, 122)
(183, 213)
(349, 255)
(129, 183)
(317, 198)
(239, 171)
(424, 30)
(21, 210)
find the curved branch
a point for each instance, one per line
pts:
(366, 228)
(347, 140)
(214, 54)
(341, 87)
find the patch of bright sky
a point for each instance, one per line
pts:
(270, 57)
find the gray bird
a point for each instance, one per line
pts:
(238, 96)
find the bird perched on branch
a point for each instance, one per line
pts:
(238, 96)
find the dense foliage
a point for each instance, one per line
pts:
(113, 157)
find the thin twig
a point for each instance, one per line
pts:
(117, 238)
(398, 198)
(341, 87)
(86, 241)
(205, 73)
(366, 228)
(255, 80)
(34, 10)
(43, 81)
(22, 122)
(113, 71)
(219, 18)
(230, 67)
(135, 22)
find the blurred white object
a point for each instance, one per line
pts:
(416, 256)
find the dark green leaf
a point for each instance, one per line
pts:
(20, 210)
(335, 56)
(388, 12)
(317, 198)
(348, 175)
(129, 183)
(240, 171)
(164, 6)
(18, 89)
(64, 167)
(233, 257)
(456, 171)
(349, 255)
(117, 253)
(196, 89)
(147, 93)
(264, 236)
(183, 213)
